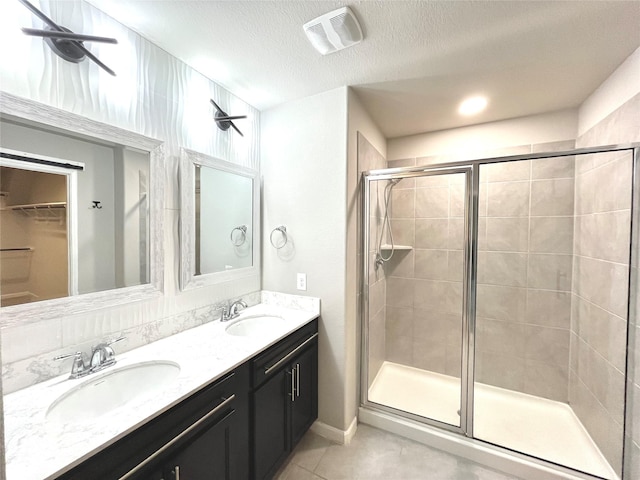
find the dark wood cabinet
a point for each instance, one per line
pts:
(270, 424)
(285, 399)
(304, 407)
(208, 456)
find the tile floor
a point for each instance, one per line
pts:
(374, 454)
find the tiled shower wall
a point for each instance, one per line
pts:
(524, 276)
(599, 317)
(153, 94)
(370, 159)
(424, 286)
(524, 273)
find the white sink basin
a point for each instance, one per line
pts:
(256, 326)
(104, 392)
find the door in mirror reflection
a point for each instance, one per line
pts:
(224, 220)
(34, 246)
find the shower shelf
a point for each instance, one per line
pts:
(396, 247)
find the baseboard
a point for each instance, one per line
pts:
(341, 437)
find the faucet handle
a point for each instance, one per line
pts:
(69, 355)
(80, 367)
(115, 340)
(106, 344)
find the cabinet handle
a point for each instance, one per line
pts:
(293, 385)
(297, 379)
(288, 356)
(179, 437)
(176, 472)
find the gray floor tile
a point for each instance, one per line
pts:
(294, 472)
(377, 455)
(309, 451)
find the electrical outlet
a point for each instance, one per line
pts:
(301, 282)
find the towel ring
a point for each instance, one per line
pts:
(241, 237)
(283, 230)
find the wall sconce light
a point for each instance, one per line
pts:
(65, 43)
(224, 121)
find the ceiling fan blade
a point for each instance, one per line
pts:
(217, 107)
(41, 15)
(236, 129)
(227, 117)
(67, 36)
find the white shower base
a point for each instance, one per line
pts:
(536, 426)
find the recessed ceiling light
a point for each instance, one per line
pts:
(472, 105)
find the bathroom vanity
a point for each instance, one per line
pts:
(240, 403)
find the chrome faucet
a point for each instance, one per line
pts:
(102, 356)
(231, 311)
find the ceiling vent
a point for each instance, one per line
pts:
(333, 31)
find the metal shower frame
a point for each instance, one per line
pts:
(471, 169)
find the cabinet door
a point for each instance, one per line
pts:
(270, 424)
(304, 405)
(206, 457)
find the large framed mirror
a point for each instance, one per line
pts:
(220, 220)
(81, 213)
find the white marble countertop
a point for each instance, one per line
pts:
(38, 448)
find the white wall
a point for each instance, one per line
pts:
(304, 169)
(470, 142)
(621, 86)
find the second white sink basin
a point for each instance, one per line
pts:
(101, 393)
(256, 326)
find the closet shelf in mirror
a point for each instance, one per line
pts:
(9, 299)
(46, 210)
(396, 247)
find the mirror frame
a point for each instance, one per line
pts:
(13, 107)
(188, 280)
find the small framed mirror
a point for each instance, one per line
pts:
(220, 221)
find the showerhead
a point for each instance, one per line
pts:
(394, 181)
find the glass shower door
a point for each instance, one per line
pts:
(551, 304)
(417, 245)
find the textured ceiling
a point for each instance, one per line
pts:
(418, 60)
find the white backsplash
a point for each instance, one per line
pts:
(295, 302)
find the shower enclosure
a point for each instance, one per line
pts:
(496, 301)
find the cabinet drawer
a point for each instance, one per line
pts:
(276, 357)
